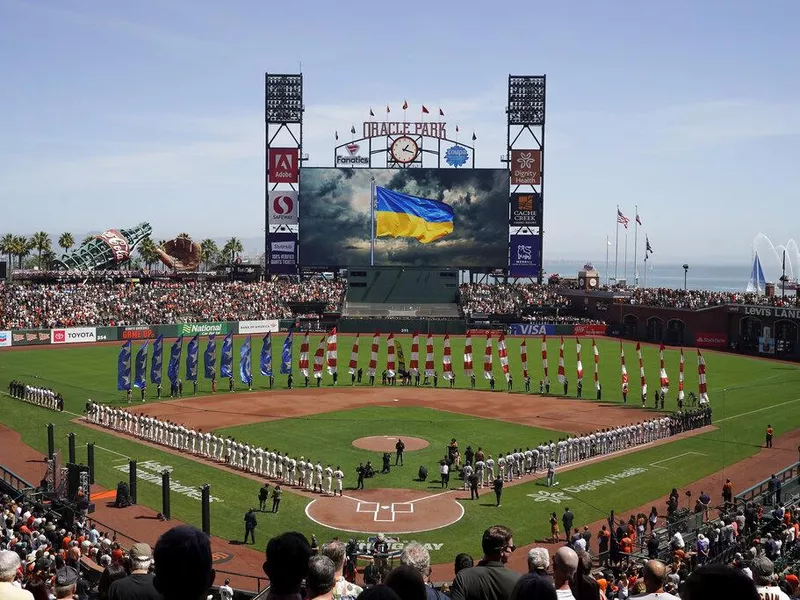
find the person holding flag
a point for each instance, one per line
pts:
(318, 359)
(210, 362)
(173, 367)
(303, 361)
(140, 379)
(245, 363)
(155, 364)
(286, 356)
(352, 368)
(226, 364)
(332, 356)
(265, 364)
(523, 355)
(191, 362)
(124, 369)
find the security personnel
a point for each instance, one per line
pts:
(360, 473)
(497, 485)
(263, 494)
(250, 525)
(769, 435)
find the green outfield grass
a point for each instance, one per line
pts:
(746, 395)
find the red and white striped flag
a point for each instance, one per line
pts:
(353, 366)
(447, 360)
(319, 357)
(487, 357)
(701, 378)
(502, 351)
(414, 366)
(332, 352)
(624, 369)
(303, 363)
(580, 362)
(680, 377)
(544, 360)
(468, 356)
(523, 355)
(662, 373)
(596, 353)
(641, 369)
(430, 368)
(390, 357)
(373, 355)
(562, 374)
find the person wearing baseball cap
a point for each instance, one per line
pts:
(139, 584)
(66, 583)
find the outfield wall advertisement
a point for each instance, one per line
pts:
(5, 339)
(30, 337)
(73, 335)
(265, 326)
(553, 329)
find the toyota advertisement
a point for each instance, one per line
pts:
(74, 335)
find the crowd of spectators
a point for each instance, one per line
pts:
(697, 299)
(103, 303)
(506, 298)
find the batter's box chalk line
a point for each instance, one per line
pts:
(385, 513)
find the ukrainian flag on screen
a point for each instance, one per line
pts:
(403, 215)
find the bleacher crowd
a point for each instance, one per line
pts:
(506, 298)
(697, 299)
(104, 303)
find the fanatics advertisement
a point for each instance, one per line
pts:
(5, 339)
(524, 260)
(74, 335)
(283, 253)
(30, 337)
(258, 326)
(282, 209)
(526, 210)
(424, 217)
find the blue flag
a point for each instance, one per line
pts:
(286, 354)
(210, 357)
(266, 356)
(226, 364)
(124, 367)
(245, 361)
(140, 379)
(192, 351)
(158, 359)
(174, 366)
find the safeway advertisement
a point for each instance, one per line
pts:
(74, 335)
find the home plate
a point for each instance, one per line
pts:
(385, 507)
(396, 400)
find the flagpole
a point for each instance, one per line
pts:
(635, 245)
(372, 224)
(645, 270)
(608, 243)
(616, 249)
(626, 258)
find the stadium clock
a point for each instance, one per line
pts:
(404, 149)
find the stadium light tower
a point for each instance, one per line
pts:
(685, 275)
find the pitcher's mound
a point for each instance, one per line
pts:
(386, 443)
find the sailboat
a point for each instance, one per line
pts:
(757, 283)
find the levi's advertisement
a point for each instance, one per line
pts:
(73, 335)
(711, 340)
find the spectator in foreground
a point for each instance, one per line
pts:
(654, 573)
(538, 563)
(183, 564)
(534, 588)
(489, 580)
(719, 581)
(583, 585)
(9, 564)
(139, 584)
(287, 563)
(565, 565)
(462, 561)
(418, 558)
(764, 578)
(321, 578)
(66, 583)
(407, 582)
(343, 589)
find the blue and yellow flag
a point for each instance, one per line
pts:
(403, 215)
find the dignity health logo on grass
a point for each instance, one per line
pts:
(188, 329)
(608, 479)
(150, 470)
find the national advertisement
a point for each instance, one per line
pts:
(283, 253)
(526, 210)
(107, 334)
(524, 257)
(30, 337)
(73, 335)
(212, 328)
(531, 329)
(711, 340)
(265, 326)
(5, 339)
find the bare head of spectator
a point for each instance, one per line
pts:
(9, 563)
(407, 582)
(336, 551)
(538, 560)
(654, 573)
(565, 565)
(718, 581)
(287, 562)
(463, 561)
(417, 557)
(321, 576)
(498, 543)
(183, 564)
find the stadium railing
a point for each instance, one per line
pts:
(789, 479)
(13, 482)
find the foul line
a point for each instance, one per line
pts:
(658, 462)
(752, 412)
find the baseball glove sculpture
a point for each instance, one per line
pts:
(180, 254)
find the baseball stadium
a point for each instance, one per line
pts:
(404, 375)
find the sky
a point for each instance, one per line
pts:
(112, 112)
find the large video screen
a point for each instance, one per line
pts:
(335, 217)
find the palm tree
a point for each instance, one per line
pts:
(7, 245)
(184, 236)
(232, 247)
(147, 250)
(66, 241)
(47, 259)
(40, 241)
(88, 239)
(21, 248)
(208, 250)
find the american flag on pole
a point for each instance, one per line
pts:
(544, 360)
(303, 362)
(319, 357)
(487, 357)
(641, 369)
(468, 356)
(332, 352)
(596, 353)
(579, 375)
(701, 378)
(353, 366)
(523, 355)
(622, 219)
(447, 360)
(414, 366)
(562, 375)
(638, 220)
(430, 369)
(502, 352)
(373, 355)
(390, 356)
(680, 377)
(624, 369)
(663, 371)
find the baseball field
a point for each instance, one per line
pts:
(322, 424)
